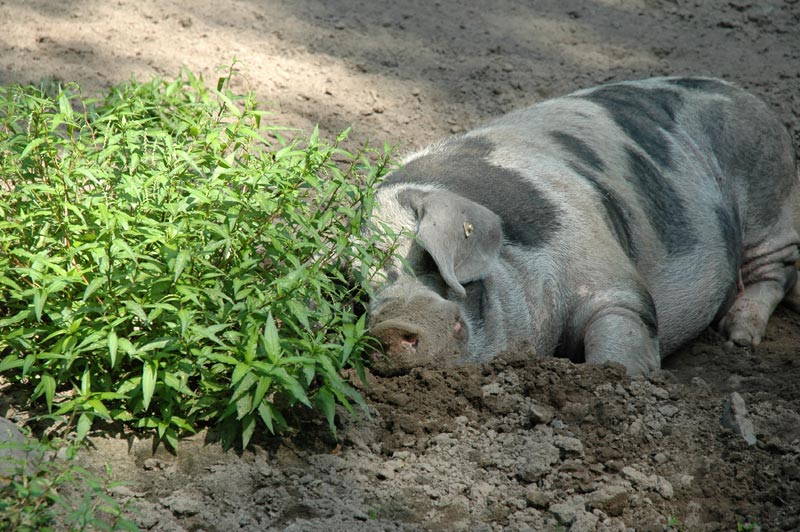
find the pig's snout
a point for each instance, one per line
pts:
(420, 331)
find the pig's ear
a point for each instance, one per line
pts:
(462, 237)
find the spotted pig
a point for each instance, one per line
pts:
(611, 224)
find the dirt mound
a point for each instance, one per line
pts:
(518, 444)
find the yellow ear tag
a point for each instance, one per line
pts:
(467, 229)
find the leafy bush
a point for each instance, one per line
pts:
(40, 494)
(168, 261)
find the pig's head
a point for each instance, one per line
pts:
(421, 312)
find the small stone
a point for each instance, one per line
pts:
(152, 464)
(491, 389)
(699, 383)
(664, 488)
(570, 446)
(184, 504)
(385, 473)
(668, 410)
(125, 491)
(538, 498)
(734, 417)
(661, 393)
(637, 477)
(584, 522)
(605, 493)
(15, 450)
(567, 512)
(481, 490)
(536, 461)
(540, 414)
(146, 516)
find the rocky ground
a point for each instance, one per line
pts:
(520, 444)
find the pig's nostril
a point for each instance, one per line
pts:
(410, 339)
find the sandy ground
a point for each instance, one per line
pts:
(516, 445)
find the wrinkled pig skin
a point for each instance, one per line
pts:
(612, 224)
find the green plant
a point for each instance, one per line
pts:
(169, 261)
(747, 527)
(41, 494)
(674, 523)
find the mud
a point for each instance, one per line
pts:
(519, 444)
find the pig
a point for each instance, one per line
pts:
(613, 224)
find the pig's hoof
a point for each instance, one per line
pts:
(740, 334)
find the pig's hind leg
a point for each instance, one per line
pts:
(768, 274)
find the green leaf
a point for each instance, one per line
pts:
(137, 310)
(39, 299)
(112, 347)
(182, 424)
(225, 359)
(11, 362)
(171, 437)
(239, 372)
(265, 411)
(149, 372)
(261, 389)
(327, 404)
(30, 147)
(244, 405)
(64, 107)
(92, 287)
(126, 346)
(300, 312)
(84, 425)
(180, 264)
(272, 343)
(153, 346)
(86, 381)
(48, 384)
(248, 426)
(98, 407)
(291, 385)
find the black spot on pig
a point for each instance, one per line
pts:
(528, 217)
(579, 149)
(586, 163)
(615, 215)
(643, 114)
(740, 158)
(664, 206)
